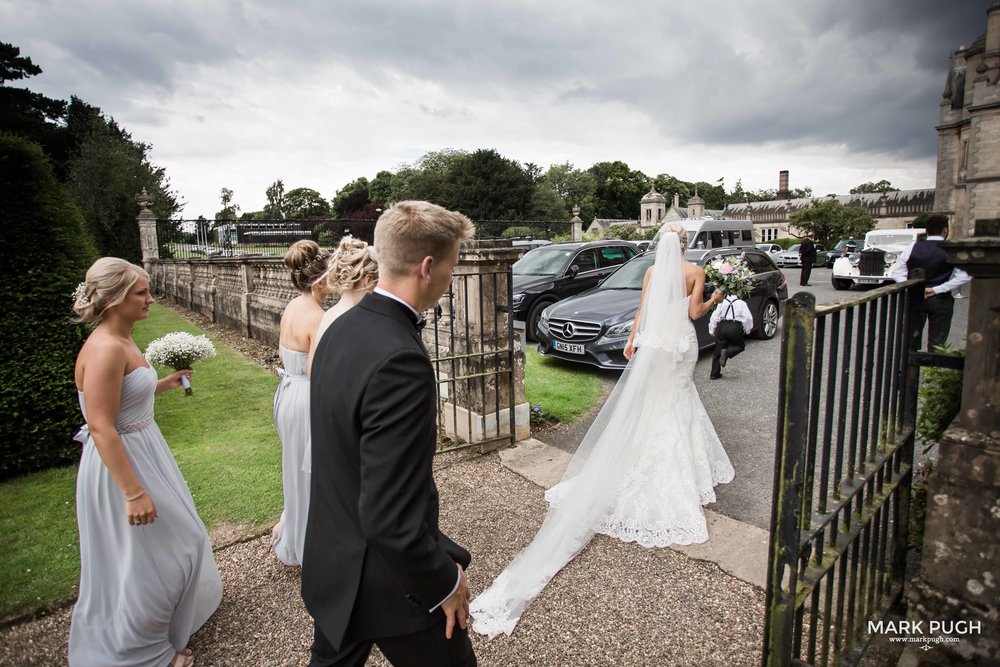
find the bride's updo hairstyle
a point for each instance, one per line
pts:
(308, 262)
(678, 229)
(107, 284)
(352, 262)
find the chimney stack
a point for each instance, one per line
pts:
(783, 192)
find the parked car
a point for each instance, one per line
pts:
(843, 247)
(769, 248)
(790, 257)
(558, 270)
(871, 266)
(592, 328)
(705, 234)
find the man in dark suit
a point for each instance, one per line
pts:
(376, 570)
(807, 254)
(940, 279)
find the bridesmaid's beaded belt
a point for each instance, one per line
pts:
(84, 433)
(136, 426)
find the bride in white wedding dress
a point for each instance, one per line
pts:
(649, 461)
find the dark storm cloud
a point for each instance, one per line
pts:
(867, 74)
(934, 28)
(106, 53)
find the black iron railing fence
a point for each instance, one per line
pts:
(843, 472)
(188, 239)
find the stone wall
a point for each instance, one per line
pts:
(248, 294)
(244, 294)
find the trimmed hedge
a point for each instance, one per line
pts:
(45, 254)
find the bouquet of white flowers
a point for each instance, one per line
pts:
(730, 275)
(179, 350)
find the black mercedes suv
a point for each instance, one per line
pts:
(553, 272)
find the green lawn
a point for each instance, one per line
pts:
(223, 439)
(225, 444)
(565, 391)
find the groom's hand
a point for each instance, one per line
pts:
(456, 607)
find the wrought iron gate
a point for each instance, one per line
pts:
(471, 344)
(843, 471)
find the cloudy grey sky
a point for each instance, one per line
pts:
(239, 93)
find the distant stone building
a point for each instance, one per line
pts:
(653, 212)
(968, 167)
(895, 209)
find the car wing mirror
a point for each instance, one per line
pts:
(573, 270)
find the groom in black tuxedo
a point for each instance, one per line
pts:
(376, 569)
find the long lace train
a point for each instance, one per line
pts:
(642, 472)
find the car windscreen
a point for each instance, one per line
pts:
(629, 276)
(794, 248)
(889, 239)
(542, 262)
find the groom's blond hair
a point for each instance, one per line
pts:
(411, 230)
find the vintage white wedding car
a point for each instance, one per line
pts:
(871, 265)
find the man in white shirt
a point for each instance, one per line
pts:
(730, 323)
(940, 279)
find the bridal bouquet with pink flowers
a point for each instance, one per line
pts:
(179, 350)
(730, 275)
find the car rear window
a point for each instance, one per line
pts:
(760, 263)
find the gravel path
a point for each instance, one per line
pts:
(616, 604)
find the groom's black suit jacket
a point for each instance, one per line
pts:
(374, 560)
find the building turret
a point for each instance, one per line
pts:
(652, 208)
(696, 206)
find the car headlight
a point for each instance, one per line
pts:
(854, 259)
(518, 298)
(620, 330)
(890, 258)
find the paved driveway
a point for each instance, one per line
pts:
(743, 407)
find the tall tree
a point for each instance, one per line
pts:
(561, 188)
(29, 114)
(350, 198)
(275, 209)
(380, 189)
(427, 178)
(306, 203)
(869, 187)
(618, 190)
(485, 185)
(831, 221)
(229, 208)
(104, 176)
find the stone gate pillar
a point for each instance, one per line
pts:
(577, 223)
(147, 230)
(476, 322)
(958, 585)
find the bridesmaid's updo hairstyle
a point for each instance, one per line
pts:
(307, 262)
(351, 263)
(107, 284)
(678, 229)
